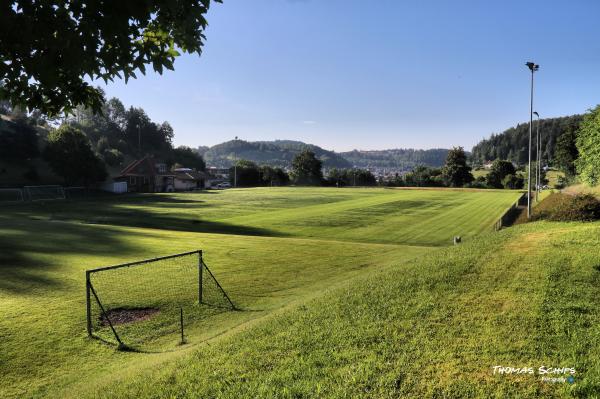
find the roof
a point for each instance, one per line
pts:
(193, 175)
(150, 168)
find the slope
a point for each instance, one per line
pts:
(434, 327)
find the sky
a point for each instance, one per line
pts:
(349, 74)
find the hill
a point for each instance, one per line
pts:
(512, 144)
(275, 153)
(281, 152)
(400, 159)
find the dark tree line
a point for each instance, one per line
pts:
(115, 136)
(307, 170)
(350, 177)
(248, 174)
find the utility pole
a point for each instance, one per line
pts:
(235, 166)
(533, 67)
(139, 139)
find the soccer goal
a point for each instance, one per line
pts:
(11, 195)
(43, 193)
(148, 302)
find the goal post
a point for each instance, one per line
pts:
(11, 195)
(44, 193)
(145, 301)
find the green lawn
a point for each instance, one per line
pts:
(271, 249)
(416, 217)
(432, 327)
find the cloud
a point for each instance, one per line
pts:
(309, 122)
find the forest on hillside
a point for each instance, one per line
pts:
(512, 144)
(405, 159)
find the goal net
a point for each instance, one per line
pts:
(142, 304)
(43, 193)
(10, 195)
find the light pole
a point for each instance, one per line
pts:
(538, 156)
(533, 67)
(235, 166)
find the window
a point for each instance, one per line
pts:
(132, 180)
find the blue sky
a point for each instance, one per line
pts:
(346, 74)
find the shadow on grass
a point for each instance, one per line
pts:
(33, 252)
(111, 211)
(34, 237)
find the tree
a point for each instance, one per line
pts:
(247, 174)
(588, 145)
(306, 169)
(187, 157)
(18, 140)
(500, 169)
(456, 172)
(422, 176)
(70, 155)
(271, 176)
(565, 152)
(50, 49)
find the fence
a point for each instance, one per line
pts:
(11, 195)
(45, 193)
(511, 213)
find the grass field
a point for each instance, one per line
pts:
(272, 249)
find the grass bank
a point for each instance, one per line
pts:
(528, 296)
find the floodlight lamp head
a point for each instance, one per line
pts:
(532, 66)
(536, 114)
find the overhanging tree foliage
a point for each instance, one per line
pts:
(565, 152)
(49, 47)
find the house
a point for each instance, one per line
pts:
(488, 165)
(146, 175)
(188, 179)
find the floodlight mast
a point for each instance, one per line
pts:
(538, 157)
(533, 67)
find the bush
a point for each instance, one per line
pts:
(565, 208)
(564, 181)
(513, 182)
